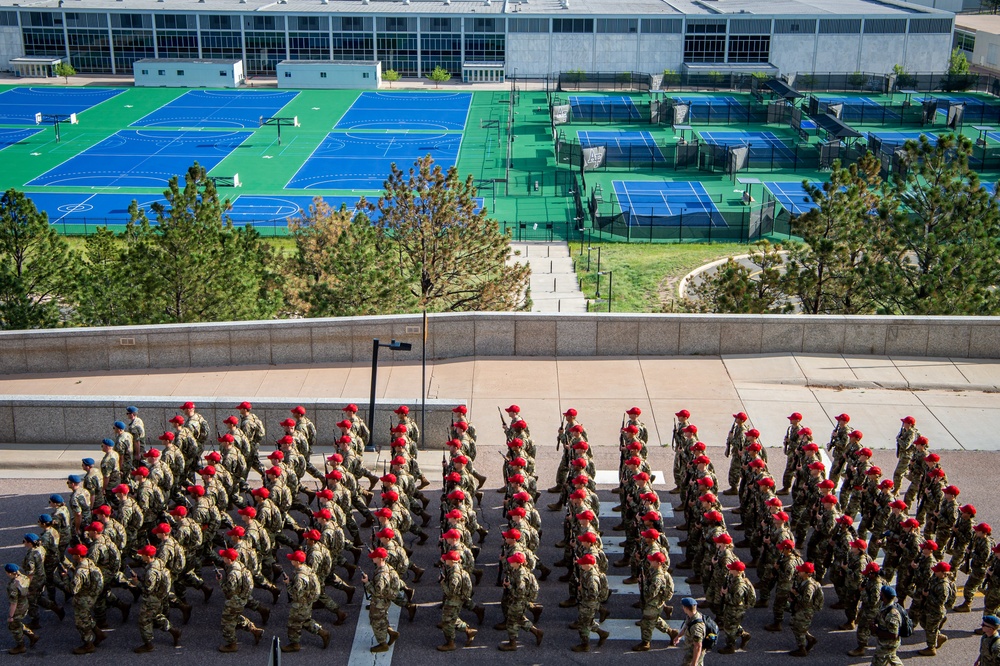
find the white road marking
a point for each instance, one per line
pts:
(364, 639)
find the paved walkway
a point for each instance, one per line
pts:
(554, 284)
(956, 402)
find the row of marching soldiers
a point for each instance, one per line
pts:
(822, 535)
(172, 511)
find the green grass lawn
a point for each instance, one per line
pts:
(645, 277)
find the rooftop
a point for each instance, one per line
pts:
(505, 7)
(978, 22)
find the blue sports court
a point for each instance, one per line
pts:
(857, 109)
(792, 196)
(225, 109)
(610, 108)
(18, 106)
(112, 209)
(897, 139)
(650, 203)
(349, 161)
(623, 144)
(8, 137)
(407, 111)
(762, 144)
(707, 107)
(142, 158)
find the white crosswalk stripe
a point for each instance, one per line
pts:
(364, 639)
(617, 586)
(628, 630)
(609, 477)
(666, 511)
(611, 546)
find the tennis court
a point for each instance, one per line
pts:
(610, 107)
(897, 139)
(650, 203)
(704, 107)
(407, 111)
(857, 108)
(622, 144)
(792, 196)
(224, 109)
(8, 137)
(761, 144)
(356, 161)
(18, 106)
(142, 158)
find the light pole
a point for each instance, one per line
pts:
(395, 345)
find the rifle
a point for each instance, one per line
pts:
(562, 427)
(503, 421)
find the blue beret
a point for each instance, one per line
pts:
(11, 568)
(32, 537)
(74, 478)
(689, 602)
(108, 441)
(132, 410)
(889, 590)
(120, 425)
(991, 620)
(45, 518)
(88, 461)
(57, 499)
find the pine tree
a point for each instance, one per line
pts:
(36, 266)
(455, 255)
(733, 288)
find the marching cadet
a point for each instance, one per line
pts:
(977, 558)
(886, 627)
(806, 600)
(79, 504)
(126, 446)
(592, 590)
(904, 449)
(456, 586)
(738, 595)
(304, 589)
(787, 565)
(677, 443)
(381, 590)
(522, 589)
(694, 632)
(253, 429)
(111, 467)
(137, 430)
(870, 592)
(838, 445)
(196, 423)
(86, 584)
(17, 597)
(236, 582)
(790, 445)
(357, 428)
(939, 597)
(735, 441)
(657, 590)
(155, 585)
(33, 567)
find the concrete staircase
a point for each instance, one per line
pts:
(554, 286)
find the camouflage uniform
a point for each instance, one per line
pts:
(522, 593)
(155, 595)
(938, 600)
(457, 588)
(33, 567)
(870, 591)
(887, 630)
(657, 590)
(17, 595)
(79, 507)
(989, 650)
(381, 589)
(303, 591)
(86, 586)
(904, 452)
(237, 586)
(694, 633)
(807, 600)
(255, 433)
(739, 597)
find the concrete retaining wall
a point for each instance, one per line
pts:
(87, 420)
(349, 339)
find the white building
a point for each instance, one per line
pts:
(342, 74)
(181, 73)
(527, 38)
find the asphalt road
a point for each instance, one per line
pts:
(22, 500)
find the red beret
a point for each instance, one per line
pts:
(378, 554)
(787, 544)
(806, 567)
(587, 559)
(736, 566)
(297, 556)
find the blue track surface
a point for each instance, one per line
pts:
(142, 158)
(614, 108)
(353, 161)
(623, 144)
(649, 203)
(18, 106)
(762, 144)
(409, 111)
(792, 196)
(8, 137)
(226, 109)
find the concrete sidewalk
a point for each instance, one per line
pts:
(956, 402)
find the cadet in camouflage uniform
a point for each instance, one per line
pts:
(522, 588)
(735, 441)
(126, 447)
(592, 583)
(155, 598)
(806, 600)
(838, 446)
(87, 583)
(253, 428)
(693, 633)
(236, 582)
(303, 591)
(318, 559)
(137, 430)
(34, 568)
(657, 590)
(196, 423)
(904, 449)
(456, 585)
(989, 644)
(991, 585)
(79, 504)
(870, 595)
(790, 446)
(738, 596)
(886, 627)
(111, 468)
(381, 591)
(130, 515)
(977, 558)
(939, 597)
(17, 597)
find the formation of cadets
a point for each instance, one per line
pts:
(143, 524)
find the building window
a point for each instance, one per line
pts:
(145, 71)
(620, 26)
(180, 72)
(749, 48)
(161, 72)
(322, 75)
(528, 25)
(573, 25)
(288, 75)
(364, 75)
(965, 41)
(222, 73)
(662, 26)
